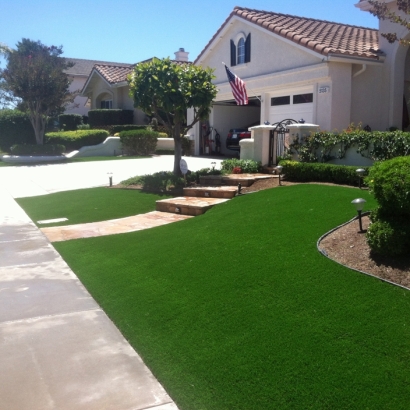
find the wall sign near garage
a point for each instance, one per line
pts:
(324, 89)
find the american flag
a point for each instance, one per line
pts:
(238, 87)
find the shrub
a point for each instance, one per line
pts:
(159, 181)
(15, 128)
(247, 165)
(389, 237)
(377, 145)
(74, 140)
(115, 129)
(97, 118)
(139, 142)
(319, 172)
(37, 150)
(389, 181)
(70, 122)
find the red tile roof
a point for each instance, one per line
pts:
(324, 37)
(115, 74)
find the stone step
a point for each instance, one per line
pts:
(187, 205)
(233, 179)
(211, 191)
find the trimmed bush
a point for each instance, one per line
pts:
(389, 236)
(247, 165)
(37, 150)
(159, 181)
(74, 140)
(15, 128)
(97, 118)
(389, 181)
(139, 142)
(70, 122)
(114, 129)
(319, 172)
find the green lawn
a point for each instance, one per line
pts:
(236, 309)
(88, 205)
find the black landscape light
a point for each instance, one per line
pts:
(359, 205)
(109, 178)
(279, 170)
(360, 172)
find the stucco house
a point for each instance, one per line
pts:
(327, 73)
(78, 75)
(107, 86)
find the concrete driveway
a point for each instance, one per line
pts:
(58, 349)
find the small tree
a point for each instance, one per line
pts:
(35, 74)
(381, 10)
(166, 90)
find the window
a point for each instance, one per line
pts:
(303, 98)
(106, 104)
(241, 51)
(284, 100)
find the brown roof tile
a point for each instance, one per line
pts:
(115, 74)
(324, 37)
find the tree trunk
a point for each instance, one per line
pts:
(177, 150)
(38, 124)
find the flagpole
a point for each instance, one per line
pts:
(248, 88)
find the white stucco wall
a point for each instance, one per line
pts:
(80, 105)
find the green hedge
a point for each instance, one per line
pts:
(15, 128)
(139, 142)
(74, 140)
(37, 150)
(376, 145)
(69, 122)
(319, 172)
(114, 129)
(98, 118)
(389, 232)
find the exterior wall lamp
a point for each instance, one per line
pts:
(359, 205)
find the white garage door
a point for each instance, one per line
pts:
(295, 105)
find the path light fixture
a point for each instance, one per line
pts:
(279, 170)
(360, 172)
(359, 205)
(110, 178)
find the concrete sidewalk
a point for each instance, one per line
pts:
(58, 349)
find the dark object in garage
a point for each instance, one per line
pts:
(234, 136)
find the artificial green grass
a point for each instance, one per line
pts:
(88, 205)
(236, 309)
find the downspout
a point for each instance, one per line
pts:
(362, 70)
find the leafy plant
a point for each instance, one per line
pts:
(139, 142)
(159, 181)
(247, 165)
(70, 122)
(37, 150)
(76, 139)
(389, 181)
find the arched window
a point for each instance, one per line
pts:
(241, 51)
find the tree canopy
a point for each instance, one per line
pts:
(35, 74)
(381, 10)
(166, 89)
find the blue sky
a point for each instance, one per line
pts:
(130, 31)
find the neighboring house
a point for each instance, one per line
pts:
(107, 86)
(327, 73)
(78, 75)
